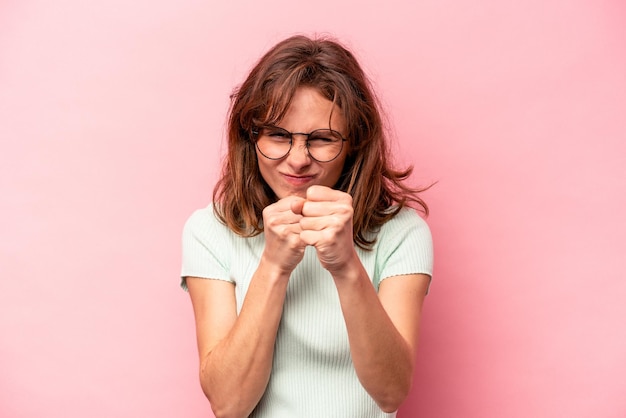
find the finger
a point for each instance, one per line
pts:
(323, 239)
(281, 219)
(326, 208)
(332, 222)
(291, 233)
(284, 204)
(297, 205)
(276, 219)
(323, 193)
(310, 237)
(287, 235)
(313, 223)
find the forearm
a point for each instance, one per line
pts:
(382, 357)
(234, 373)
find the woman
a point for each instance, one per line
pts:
(308, 272)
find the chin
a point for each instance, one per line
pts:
(298, 193)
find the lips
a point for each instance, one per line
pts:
(298, 179)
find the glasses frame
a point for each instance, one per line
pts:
(257, 130)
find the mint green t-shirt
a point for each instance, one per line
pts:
(312, 372)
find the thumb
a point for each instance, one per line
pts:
(297, 205)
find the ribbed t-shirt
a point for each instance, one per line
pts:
(312, 372)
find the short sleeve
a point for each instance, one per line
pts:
(405, 246)
(205, 244)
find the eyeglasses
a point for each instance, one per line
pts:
(274, 143)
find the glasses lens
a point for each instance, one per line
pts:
(325, 144)
(274, 142)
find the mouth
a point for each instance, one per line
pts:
(298, 179)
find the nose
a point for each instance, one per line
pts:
(299, 156)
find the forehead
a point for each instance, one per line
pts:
(309, 110)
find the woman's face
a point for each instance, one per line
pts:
(295, 173)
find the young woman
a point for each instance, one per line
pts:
(308, 272)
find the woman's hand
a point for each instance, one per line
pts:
(283, 246)
(326, 224)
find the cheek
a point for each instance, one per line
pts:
(266, 169)
(338, 170)
(343, 161)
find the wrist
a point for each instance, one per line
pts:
(272, 269)
(348, 271)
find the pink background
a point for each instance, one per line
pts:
(111, 126)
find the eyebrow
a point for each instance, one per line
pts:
(306, 133)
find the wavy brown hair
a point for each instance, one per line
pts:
(378, 190)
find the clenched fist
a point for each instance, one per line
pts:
(326, 223)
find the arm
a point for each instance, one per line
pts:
(236, 351)
(383, 347)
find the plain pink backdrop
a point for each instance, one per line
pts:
(111, 126)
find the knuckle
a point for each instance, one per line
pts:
(348, 209)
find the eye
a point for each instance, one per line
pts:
(323, 136)
(276, 134)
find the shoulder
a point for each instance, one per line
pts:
(406, 220)
(404, 246)
(204, 230)
(206, 245)
(406, 236)
(204, 221)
